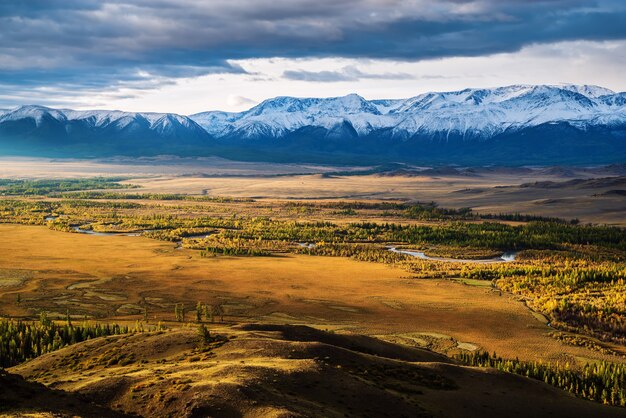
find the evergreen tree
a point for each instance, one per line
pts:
(218, 310)
(204, 336)
(208, 313)
(198, 312)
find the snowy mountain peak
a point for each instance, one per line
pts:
(352, 103)
(544, 123)
(588, 90)
(103, 120)
(35, 112)
(469, 115)
(486, 111)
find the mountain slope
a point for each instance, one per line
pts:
(38, 129)
(282, 370)
(511, 125)
(21, 398)
(471, 112)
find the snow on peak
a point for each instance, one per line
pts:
(35, 112)
(590, 91)
(472, 111)
(469, 111)
(282, 114)
(352, 103)
(100, 118)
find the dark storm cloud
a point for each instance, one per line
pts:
(103, 43)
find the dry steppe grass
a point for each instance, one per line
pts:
(486, 190)
(112, 278)
(280, 371)
(596, 202)
(274, 369)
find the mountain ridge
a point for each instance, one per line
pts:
(551, 124)
(485, 110)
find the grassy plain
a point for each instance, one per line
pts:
(600, 201)
(554, 192)
(53, 259)
(114, 277)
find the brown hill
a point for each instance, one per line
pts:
(281, 371)
(596, 183)
(19, 397)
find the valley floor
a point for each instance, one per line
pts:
(562, 192)
(319, 317)
(114, 277)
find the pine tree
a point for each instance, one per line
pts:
(198, 312)
(218, 310)
(208, 313)
(68, 318)
(44, 320)
(204, 336)
(178, 312)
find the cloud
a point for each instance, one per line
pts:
(317, 76)
(90, 44)
(347, 73)
(239, 101)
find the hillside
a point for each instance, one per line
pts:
(470, 113)
(39, 130)
(281, 370)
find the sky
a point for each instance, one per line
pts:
(188, 56)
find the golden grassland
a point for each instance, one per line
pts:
(570, 275)
(495, 193)
(276, 371)
(115, 277)
(486, 191)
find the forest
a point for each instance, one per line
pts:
(24, 340)
(601, 382)
(10, 187)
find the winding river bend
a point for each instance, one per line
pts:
(103, 234)
(506, 257)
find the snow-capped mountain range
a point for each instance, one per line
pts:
(470, 112)
(99, 119)
(546, 120)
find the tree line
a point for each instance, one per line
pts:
(24, 340)
(603, 382)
